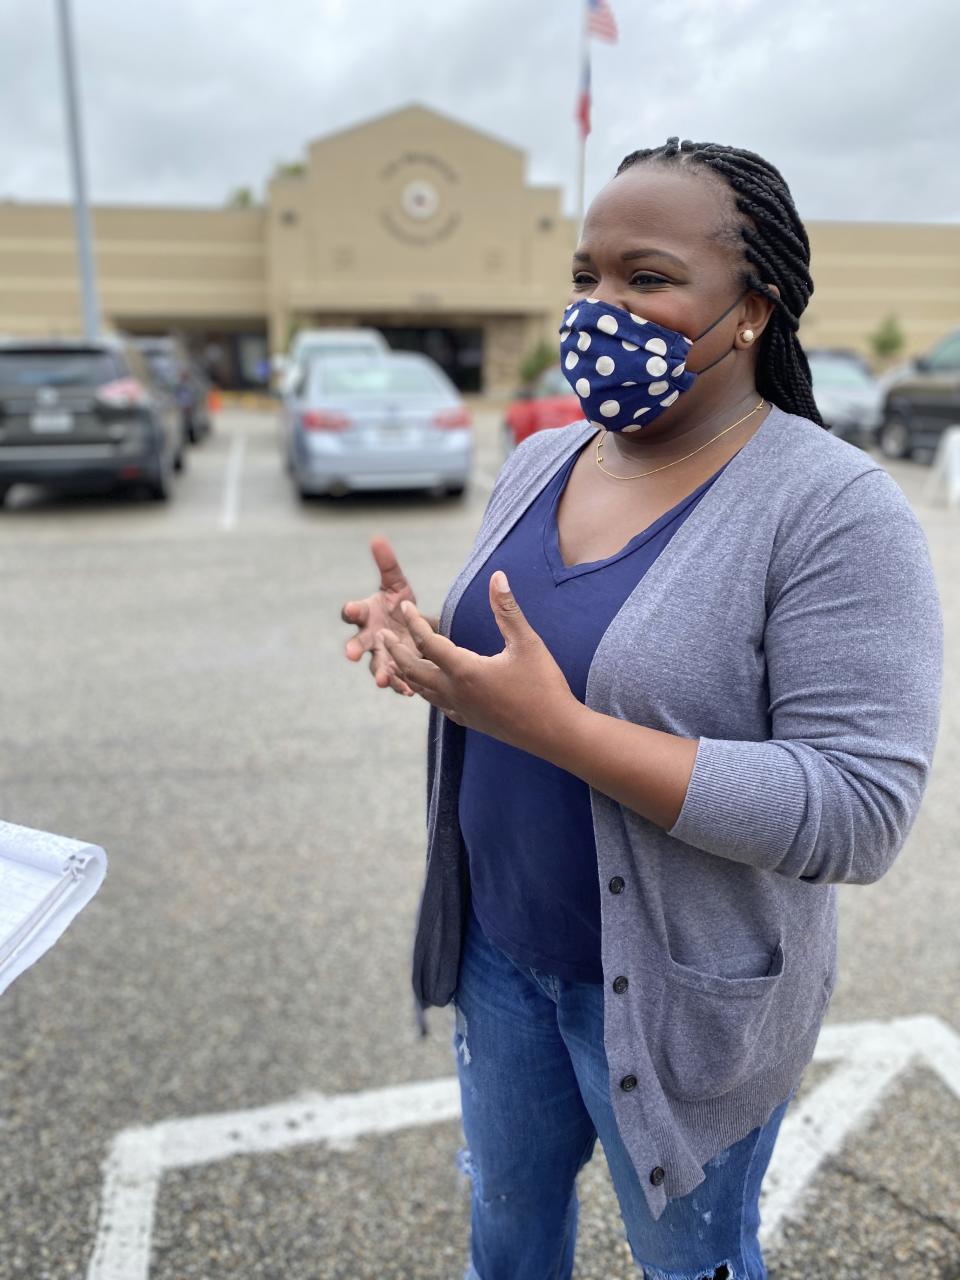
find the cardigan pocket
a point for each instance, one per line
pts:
(708, 1033)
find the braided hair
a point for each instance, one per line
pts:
(775, 251)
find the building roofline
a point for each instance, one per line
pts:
(416, 106)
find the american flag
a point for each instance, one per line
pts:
(600, 21)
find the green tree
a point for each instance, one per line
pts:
(289, 169)
(534, 362)
(887, 340)
(241, 198)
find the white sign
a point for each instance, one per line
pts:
(869, 1056)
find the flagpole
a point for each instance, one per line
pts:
(582, 156)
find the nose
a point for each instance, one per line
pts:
(604, 295)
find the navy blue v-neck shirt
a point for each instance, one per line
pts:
(527, 825)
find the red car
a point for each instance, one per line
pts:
(550, 403)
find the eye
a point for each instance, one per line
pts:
(644, 279)
(583, 278)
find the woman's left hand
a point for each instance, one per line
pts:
(519, 695)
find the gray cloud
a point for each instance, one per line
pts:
(857, 103)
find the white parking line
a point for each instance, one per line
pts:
(870, 1055)
(231, 482)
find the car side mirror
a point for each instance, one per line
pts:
(921, 364)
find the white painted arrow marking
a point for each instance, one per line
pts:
(870, 1055)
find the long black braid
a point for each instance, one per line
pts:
(775, 250)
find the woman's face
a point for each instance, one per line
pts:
(662, 242)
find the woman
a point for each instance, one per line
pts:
(686, 684)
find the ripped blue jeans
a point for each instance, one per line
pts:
(535, 1096)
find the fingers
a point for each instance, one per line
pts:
(439, 649)
(419, 673)
(392, 577)
(357, 613)
(385, 674)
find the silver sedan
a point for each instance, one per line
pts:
(391, 422)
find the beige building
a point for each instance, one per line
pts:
(424, 228)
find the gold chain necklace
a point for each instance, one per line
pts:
(613, 475)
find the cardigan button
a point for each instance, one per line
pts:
(628, 1083)
(617, 884)
(620, 985)
(657, 1175)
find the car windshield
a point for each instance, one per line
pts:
(328, 350)
(51, 368)
(375, 379)
(162, 365)
(553, 383)
(840, 375)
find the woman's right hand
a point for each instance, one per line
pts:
(381, 611)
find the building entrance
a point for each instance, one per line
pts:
(459, 352)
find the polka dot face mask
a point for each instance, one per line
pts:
(624, 369)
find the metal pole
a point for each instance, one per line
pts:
(582, 157)
(81, 213)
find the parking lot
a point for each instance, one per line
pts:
(172, 687)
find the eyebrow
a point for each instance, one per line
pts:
(632, 254)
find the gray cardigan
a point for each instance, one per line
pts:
(793, 626)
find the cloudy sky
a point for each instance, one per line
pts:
(857, 101)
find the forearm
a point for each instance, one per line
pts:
(643, 769)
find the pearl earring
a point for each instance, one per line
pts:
(747, 336)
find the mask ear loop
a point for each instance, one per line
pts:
(736, 302)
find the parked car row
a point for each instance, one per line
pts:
(80, 414)
(357, 416)
(904, 413)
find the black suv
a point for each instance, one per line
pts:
(923, 401)
(77, 414)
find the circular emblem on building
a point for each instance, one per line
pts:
(420, 204)
(420, 199)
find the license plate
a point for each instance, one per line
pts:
(51, 420)
(392, 435)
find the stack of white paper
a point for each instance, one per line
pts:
(45, 880)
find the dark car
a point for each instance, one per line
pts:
(923, 401)
(549, 403)
(77, 414)
(170, 363)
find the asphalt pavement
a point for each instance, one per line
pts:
(236, 1000)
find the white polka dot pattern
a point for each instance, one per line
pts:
(623, 384)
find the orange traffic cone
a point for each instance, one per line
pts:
(214, 400)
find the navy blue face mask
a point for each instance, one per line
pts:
(624, 369)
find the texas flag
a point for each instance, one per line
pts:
(601, 23)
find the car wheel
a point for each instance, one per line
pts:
(160, 487)
(894, 438)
